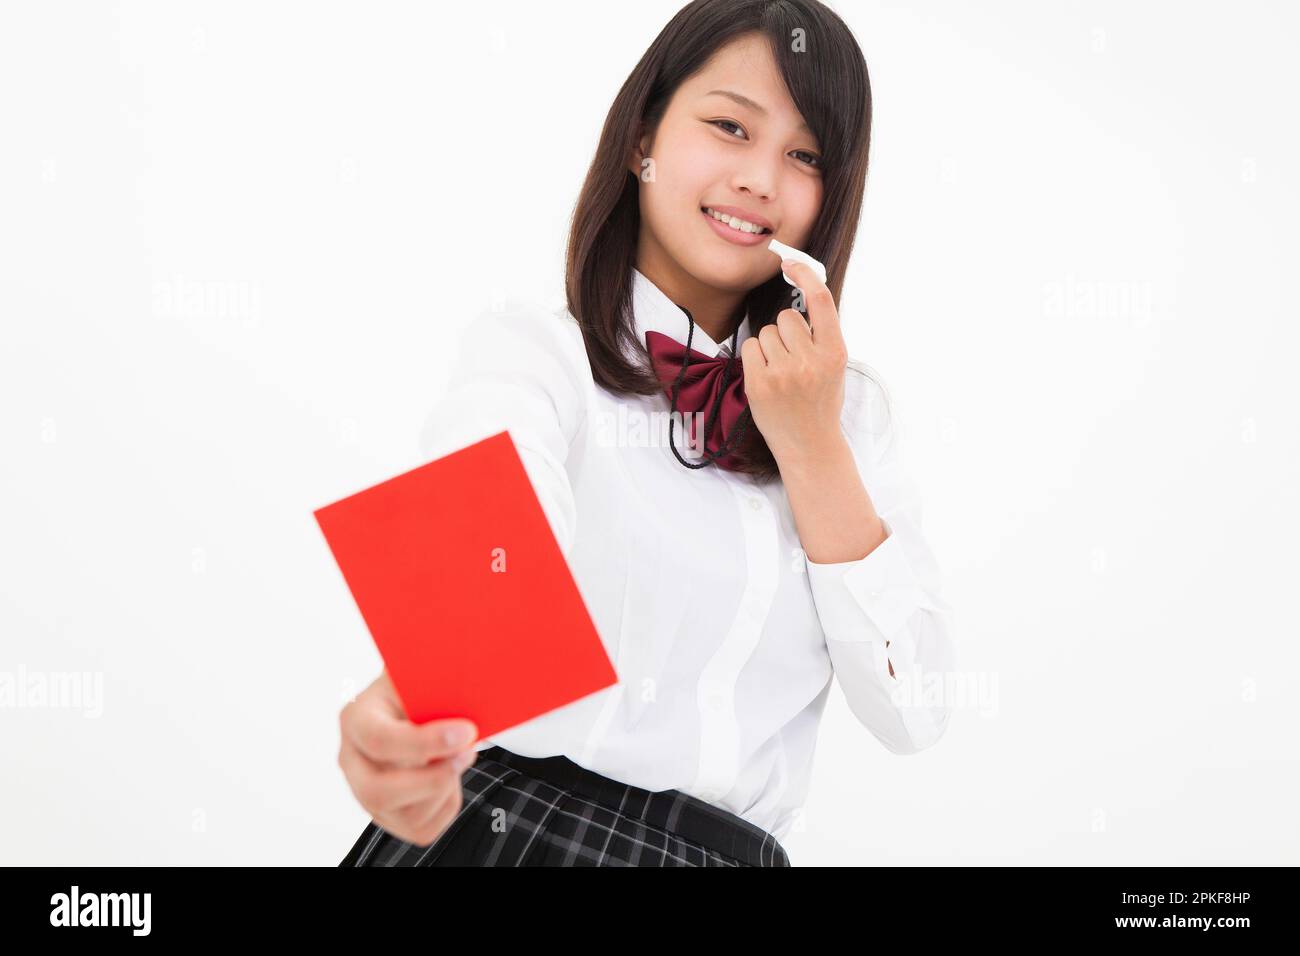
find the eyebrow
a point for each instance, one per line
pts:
(749, 104)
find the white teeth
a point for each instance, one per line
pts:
(740, 225)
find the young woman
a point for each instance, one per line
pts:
(767, 544)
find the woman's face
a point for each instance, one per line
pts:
(755, 157)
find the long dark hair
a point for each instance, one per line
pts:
(826, 75)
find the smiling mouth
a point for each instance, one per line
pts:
(740, 225)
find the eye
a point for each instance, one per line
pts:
(718, 123)
(816, 160)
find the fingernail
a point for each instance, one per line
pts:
(461, 734)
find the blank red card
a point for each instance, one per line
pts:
(465, 590)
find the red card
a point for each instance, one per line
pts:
(465, 590)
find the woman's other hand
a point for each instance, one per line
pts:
(406, 775)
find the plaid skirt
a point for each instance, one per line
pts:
(549, 811)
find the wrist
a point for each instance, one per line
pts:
(814, 451)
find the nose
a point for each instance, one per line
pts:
(756, 179)
(760, 193)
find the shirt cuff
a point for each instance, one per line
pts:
(872, 598)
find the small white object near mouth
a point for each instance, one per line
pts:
(790, 252)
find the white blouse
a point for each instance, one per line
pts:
(723, 634)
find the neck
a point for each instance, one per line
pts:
(717, 312)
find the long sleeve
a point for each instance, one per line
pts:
(523, 370)
(886, 608)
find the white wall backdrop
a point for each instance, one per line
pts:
(237, 240)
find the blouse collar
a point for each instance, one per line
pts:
(655, 312)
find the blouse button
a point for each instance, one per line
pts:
(755, 503)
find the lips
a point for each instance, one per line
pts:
(735, 236)
(737, 213)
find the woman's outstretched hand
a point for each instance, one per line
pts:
(794, 372)
(406, 775)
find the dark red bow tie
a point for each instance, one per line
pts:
(708, 383)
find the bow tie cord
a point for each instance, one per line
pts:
(741, 422)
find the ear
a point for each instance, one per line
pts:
(640, 150)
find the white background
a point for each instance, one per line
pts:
(237, 240)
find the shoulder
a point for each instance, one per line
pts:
(544, 324)
(516, 364)
(525, 330)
